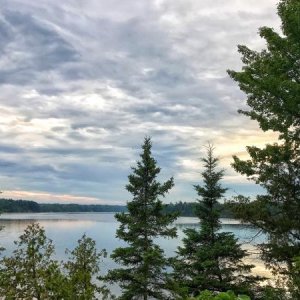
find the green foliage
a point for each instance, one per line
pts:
(31, 272)
(209, 259)
(273, 293)
(143, 274)
(185, 209)
(188, 209)
(293, 281)
(271, 77)
(271, 80)
(81, 268)
(208, 295)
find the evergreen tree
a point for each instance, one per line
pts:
(143, 274)
(82, 267)
(31, 273)
(271, 80)
(210, 259)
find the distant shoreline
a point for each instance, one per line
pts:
(184, 209)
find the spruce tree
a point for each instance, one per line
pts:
(210, 259)
(143, 273)
(271, 80)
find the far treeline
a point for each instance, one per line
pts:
(184, 209)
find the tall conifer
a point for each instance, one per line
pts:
(143, 274)
(210, 259)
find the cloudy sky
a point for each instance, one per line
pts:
(82, 82)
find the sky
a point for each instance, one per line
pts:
(83, 82)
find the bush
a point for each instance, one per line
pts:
(207, 295)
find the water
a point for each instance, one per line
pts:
(66, 228)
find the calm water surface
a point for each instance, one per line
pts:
(66, 228)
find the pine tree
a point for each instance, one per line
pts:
(271, 80)
(209, 259)
(143, 274)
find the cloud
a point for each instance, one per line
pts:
(83, 82)
(51, 198)
(30, 48)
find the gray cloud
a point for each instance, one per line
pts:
(83, 82)
(30, 48)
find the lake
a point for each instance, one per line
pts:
(66, 228)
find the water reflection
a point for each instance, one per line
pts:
(66, 228)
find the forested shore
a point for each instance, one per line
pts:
(209, 263)
(184, 209)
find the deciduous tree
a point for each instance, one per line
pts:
(82, 269)
(31, 272)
